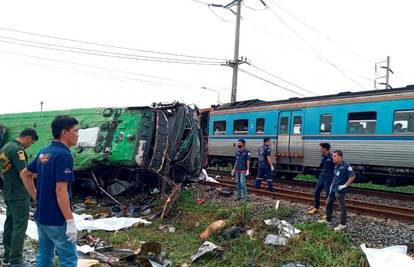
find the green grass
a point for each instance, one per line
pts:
(317, 245)
(370, 185)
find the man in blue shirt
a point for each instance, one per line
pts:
(241, 169)
(344, 175)
(54, 168)
(325, 177)
(265, 165)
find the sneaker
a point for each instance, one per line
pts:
(340, 227)
(323, 221)
(323, 217)
(313, 211)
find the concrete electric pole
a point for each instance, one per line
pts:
(235, 63)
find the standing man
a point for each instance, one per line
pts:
(54, 168)
(265, 165)
(344, 175)
(325, 177)
(13, 159)
(241, 169)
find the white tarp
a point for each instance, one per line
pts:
(83, 222)
(88, 137)
(31, 227)
(285, 228)
(389, 256)
(204, 177)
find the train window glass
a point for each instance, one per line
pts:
(260, 125)
(326, 124)
(219, 127)
(297, 124)
(403, 121)
(362, 122)
(240, 126)
(284, 124)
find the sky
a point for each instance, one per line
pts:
(316, 47)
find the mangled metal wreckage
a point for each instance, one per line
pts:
(123, 147)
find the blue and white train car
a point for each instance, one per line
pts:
(374, 129)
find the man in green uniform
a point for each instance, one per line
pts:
(13, 159)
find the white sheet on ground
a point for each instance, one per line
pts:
(204, 177)
(389, 256)
(83, 222)
(31, 227)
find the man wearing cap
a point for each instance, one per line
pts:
(325, 177)
(13, 159)
(344, 175)
(266, 167)
(241, 169)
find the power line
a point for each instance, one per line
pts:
(275, 84)
(321, 34)
(111, 55)
(277, 77)
(313, 48)
(104, 52)
(119, 78)
(107, 45)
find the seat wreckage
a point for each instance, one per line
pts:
(123, 148)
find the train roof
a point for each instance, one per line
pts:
(341, 95)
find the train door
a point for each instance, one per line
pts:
(289, 147)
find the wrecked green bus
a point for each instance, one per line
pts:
(133, 144)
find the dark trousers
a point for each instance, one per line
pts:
(329, 206)
(323, 183)
(264, 174)
(15, 226)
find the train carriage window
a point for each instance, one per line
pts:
(240, 126)
(326, 124)
(362, 122)
(219, 127)
(297, 124)
(260, 125)
(404, 121)
(284, 124)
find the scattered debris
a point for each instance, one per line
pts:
(103, 258)
(232, 232)
(171, 200)
(277, 204)
(150, 249)
(389, 256)
(200, 201)
(116, 211)
(225, 192)
(251, 233)
(285, 228)
(295, 264)
(205, 248)
(103, 190)
(276, 240)
(212, 228)
(167, 228)
(90, 201)
(204, 177)
(87, 262)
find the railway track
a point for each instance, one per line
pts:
(356, 190)
(361, 207)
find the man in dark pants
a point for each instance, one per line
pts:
(344, 175)
(54, 219)
(241, 169)
(265, 165)
(13, 159)
(325, 177)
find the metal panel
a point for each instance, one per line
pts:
(373, 152)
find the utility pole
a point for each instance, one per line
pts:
(388, 70)
(41, 105)
(235, 63)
